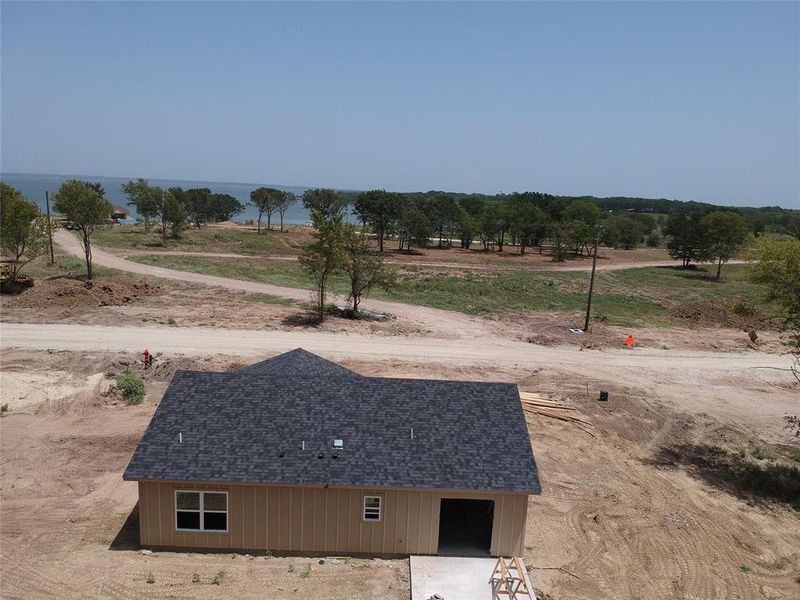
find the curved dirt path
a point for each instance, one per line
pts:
(126, 253)
(445, 322)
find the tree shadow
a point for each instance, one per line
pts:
(127, 537)
(301, 319)
(753, 481)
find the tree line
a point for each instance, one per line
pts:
(556, 224)
(174, 206)
(522, 220)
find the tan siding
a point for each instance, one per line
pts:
(325, 520)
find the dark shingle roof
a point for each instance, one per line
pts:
(250, 428)
(298, 363)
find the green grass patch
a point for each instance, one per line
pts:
(64, 265)
(236, 240)
(631, 297)
(267, 299)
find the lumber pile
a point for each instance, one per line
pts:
(542, 405)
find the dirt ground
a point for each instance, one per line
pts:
(652, 506)
(133, 301)
(124, 300)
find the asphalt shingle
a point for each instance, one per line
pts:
(250, 426)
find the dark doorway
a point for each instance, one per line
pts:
(465, 527)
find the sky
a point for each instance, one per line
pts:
(694, 101)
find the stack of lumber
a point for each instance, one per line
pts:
(547, 407)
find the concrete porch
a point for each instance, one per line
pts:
(454, 578)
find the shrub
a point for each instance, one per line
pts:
(218, 578)
(653, 240)
(796, 455)
(150, 577)
(744, 569)
(132, 387)
(195, 578)
(742, 308)
(4, 408)
(759, 453)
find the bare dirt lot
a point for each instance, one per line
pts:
(122, 300)
(666, 500)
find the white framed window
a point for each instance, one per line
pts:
(201, 511)
(373, 505)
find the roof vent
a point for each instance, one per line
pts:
(320, 455)
(282, 454)
(338, 444)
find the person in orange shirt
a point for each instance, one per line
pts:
(630, 342)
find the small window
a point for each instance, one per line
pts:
(201, 511)
(372, 508)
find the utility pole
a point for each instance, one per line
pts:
(591, 283)
(49, 226)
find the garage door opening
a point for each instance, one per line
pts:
(465, 527)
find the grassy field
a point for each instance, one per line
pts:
(631, 297)
(64, 266)
(206, 239)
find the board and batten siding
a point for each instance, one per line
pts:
(325, 520)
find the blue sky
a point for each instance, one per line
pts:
(682, 100)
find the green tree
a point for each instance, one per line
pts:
(467, 227)
(223, 207)
(328, 204)
(23, 230)
(686, 238)
(793, 226)
(286, 200)
(197, 202)
(413, 225)
(526, 221)
(83, 205)
(778, 268)
(363, 267)
(379, 209)
(266, 200)
(144, 197)
(495, 223)
(443, 214)
(582, 218)
(726, 233)
(322, 257)
(173, 215)
(623, 231)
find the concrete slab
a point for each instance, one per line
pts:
(453, 578)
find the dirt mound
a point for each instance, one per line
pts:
(64, 292)
(737, 314)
